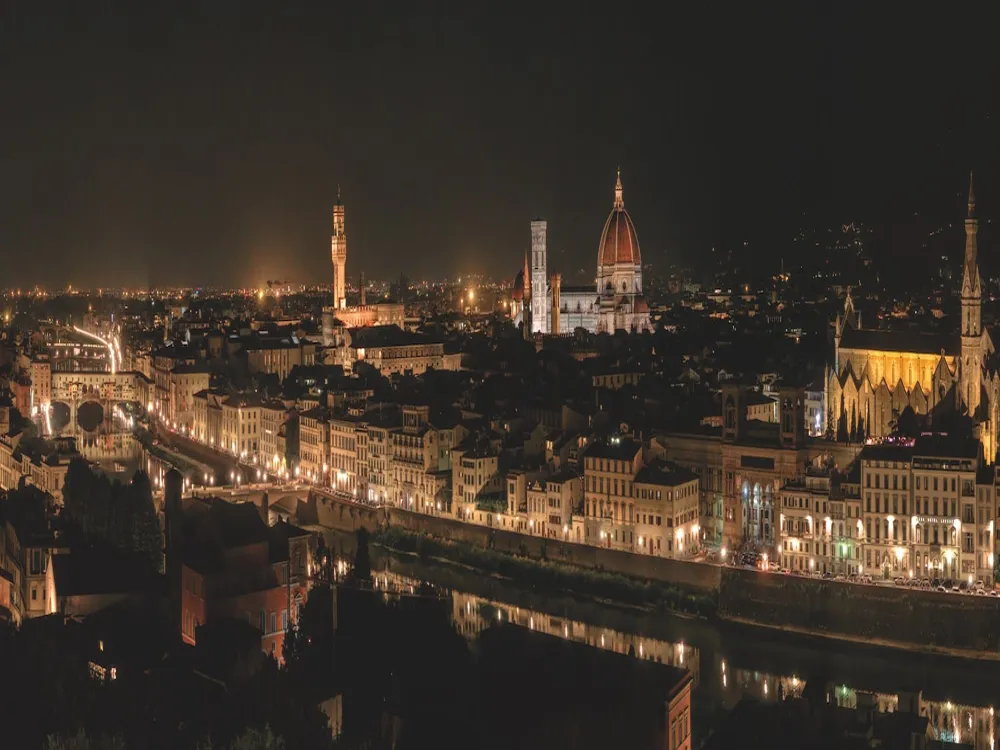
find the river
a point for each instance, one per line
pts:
(728, 662)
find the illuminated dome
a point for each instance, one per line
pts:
(619, 243)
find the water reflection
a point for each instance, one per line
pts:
(118, 454)
(716, 678)
(472, 614)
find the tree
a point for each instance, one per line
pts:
(308, 649)
(26, 509)
(908, 425)
(292, 646)
(107, 513)
(77, 489)
(250, 739)
(258, 739)
(362, 562)
(147, 534)
(81, 741)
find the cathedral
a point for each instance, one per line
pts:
(877, 374)
(545, 306)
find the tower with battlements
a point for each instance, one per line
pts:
(338, 253)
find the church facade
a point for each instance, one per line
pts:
(545, 306)
(876, 374)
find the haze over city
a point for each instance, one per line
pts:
(204, 143)
(443, 375)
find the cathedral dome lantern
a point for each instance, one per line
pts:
(618, 260)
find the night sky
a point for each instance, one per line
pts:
(203, 143)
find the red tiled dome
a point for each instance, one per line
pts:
(619, 243)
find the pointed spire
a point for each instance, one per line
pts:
(970, 276)
(619, 203)
(972, 198)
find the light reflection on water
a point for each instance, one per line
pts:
(471, 614)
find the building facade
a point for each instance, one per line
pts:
(876, 375)
(615, 302)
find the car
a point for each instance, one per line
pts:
(941, 589)
(979, 585)
(963, 586)
(993, 592)
(899, 581)
(840, 577)
(979, 592)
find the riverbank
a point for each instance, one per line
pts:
(552, 575)
(917, 621)
(942, 626)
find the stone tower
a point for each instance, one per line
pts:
(338, 252)
(539, 277)
(971, 363)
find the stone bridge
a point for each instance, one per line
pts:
(71, 391)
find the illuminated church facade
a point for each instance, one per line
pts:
(877, 374)
(545, 306)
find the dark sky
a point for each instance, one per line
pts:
(202, 143)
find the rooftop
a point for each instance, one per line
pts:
(616, 448)
(665, 474)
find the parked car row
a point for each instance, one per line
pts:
(947, 585)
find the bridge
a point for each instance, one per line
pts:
(86, 399)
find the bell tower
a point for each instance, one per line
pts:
(971, 365)
(539, 277)
(338, 253)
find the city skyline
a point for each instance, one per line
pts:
(213, 155)
(356, 359)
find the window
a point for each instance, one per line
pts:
(260, 623)
(284, 619)
(967, 542)
(274, 622)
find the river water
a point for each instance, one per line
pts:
(728, 662)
